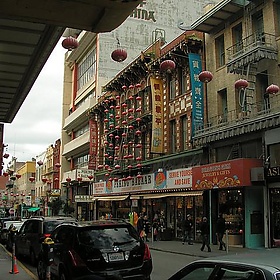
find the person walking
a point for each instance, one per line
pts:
(146, 227)
(187, 230)
(205, 232)
(220, 231)
(140, 225)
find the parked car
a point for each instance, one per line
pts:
(4, 227)
(9, 242)
(108, 249)
(7, 225)
(262, 264)
(28, 240)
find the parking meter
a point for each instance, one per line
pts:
(47, 247)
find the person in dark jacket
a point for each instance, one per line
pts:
(187, 227)
(220, 231)
(205, 232)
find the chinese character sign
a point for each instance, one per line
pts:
(157, 111)
(197, 92)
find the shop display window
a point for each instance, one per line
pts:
(231, 206)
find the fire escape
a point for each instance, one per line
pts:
(244, 58)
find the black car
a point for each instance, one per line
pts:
(108, 249)
(262, 264)
(28, 240)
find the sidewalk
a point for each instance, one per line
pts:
(6, 267)
(194, 250)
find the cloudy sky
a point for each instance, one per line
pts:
(37, 124)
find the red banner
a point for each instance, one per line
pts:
(92, 144)
(225, 174)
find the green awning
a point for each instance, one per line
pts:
(33, 209)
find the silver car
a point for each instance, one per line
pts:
(260, 264)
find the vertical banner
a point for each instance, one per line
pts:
(197, 92)
(92, 144)
(157, 111)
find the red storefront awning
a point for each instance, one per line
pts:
(225, 174)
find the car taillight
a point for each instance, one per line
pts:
(47, 235)
(76, 259)
(147, 253)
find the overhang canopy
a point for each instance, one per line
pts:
(29, 31)
(219, 14)
(111, 198)
(162, 195)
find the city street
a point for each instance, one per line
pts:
(166, 264)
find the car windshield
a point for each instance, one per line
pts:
(106, 237)
(50, 226)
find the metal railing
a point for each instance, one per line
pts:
(258, 110)
(251, 42)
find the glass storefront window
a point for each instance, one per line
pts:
(275, 216)
(231, 206)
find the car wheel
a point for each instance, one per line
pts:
(32, 258)
(41, 269)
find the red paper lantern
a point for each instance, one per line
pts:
(31, 179)
(44, 180)
(79, 179)
(90, 177)
(6, 155)
(58, 165)
(119, 55)
(70, 43)
(5, 174)
(241, 84)
(68, 180)
(18, 176)
(117, 166)
(272, 89)
(124, 87)
(39, 162)
(167, 65)
(205, 76)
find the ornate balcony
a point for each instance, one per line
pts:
(251, 49)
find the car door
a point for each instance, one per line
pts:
(63, 239)
(22, 238)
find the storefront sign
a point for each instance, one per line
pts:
(84, 173)
(83, 198)
(179, 178)
(99, 188)
(225, 174)
(273, 173)
(92, 144)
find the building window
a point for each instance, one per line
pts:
(237, 38)
(220, 51)
(172, 87)
(274, 152)
(182, 81)
(81, 161)
(82, 130)
(173, 136)
(86, 69)
(222, 106)
(184, 132)
(277, 16)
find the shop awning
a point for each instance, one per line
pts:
(33, 209)
(161, 195)
(111, 198)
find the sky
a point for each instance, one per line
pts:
(37, 124)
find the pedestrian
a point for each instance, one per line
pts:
(146, 227)
(205, 232)
(220, 231)
(155, 228)
(187, 227)
(140, 225)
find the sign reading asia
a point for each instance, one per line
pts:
(226, 174)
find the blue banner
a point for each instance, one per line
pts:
(197, 92)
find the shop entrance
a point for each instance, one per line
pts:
(275, 217)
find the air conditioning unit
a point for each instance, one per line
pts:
(257, 174)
